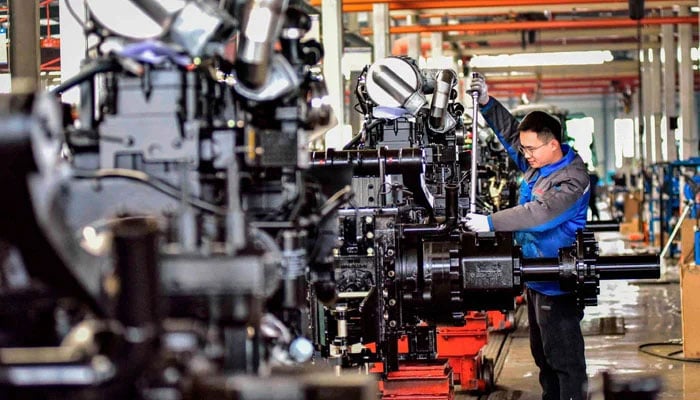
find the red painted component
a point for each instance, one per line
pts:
(462, 347)
(419, 381)
(498, 321)
(50, 42)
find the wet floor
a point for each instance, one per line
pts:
(632, 319)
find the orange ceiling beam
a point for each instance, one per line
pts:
(366, 5)
(554, 86)
(537, 25)
(497, 3)
(515, 80)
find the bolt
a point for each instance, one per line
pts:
(391, 274)
(370, 235)
(368, 219)
(392, 323)
(370, 251)
(392, 302)
(390, 252)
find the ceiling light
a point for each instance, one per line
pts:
(540, 59)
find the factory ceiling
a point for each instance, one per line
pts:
(492, 27)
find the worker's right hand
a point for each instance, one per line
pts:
(479, 85)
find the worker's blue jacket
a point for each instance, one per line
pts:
(553, 199)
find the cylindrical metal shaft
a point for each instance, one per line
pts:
(629, 267)
(603, 226)
(368, 162)
(540, 269)
(451, 203)
(475, 152)
(136, 262)
(608, 267)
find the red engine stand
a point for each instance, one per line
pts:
(419, 381)
(462, 346)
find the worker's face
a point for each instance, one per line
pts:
(537, 153)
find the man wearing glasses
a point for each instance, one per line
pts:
(553, 203)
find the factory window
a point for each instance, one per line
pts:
(624, 140)
(580, 133)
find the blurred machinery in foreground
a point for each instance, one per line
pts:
(162, 245)
(410, 276)
(609, 386)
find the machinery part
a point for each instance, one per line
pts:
(487, 272)
(260, 29)
(370, 162)
(603, 226)
(135, 19)
(437, 275)
(579, 268)
(440, 119)
(409, 163)
(395, 82)
(420, 380)
(474, 153)
(137, 291)
(487, 374)
(288, 384)
(405, 264)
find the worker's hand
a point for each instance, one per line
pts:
(479, 85)
(478, 223)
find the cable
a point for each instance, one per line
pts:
(72, 12)
(151, 181)
(669, 356)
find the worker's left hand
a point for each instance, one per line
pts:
(478, 222)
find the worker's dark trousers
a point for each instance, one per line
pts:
(557, 345)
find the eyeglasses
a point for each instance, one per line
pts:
(530, 150)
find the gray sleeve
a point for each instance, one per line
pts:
(557, 204)
(505, 126)
(502, 122)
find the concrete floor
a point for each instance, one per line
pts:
(629, 314)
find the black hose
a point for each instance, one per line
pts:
(98, 67)
(670, 356)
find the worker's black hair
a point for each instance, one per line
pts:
(544, 124)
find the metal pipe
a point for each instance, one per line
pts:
(475, 143)
(539, 269)
(441, 98)
(155, 11)
(256, 42)
(603, 226)
(451, 204)
(369, 162)
(607, 267)
(137, 299)
(628, 267)
(684, 214)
